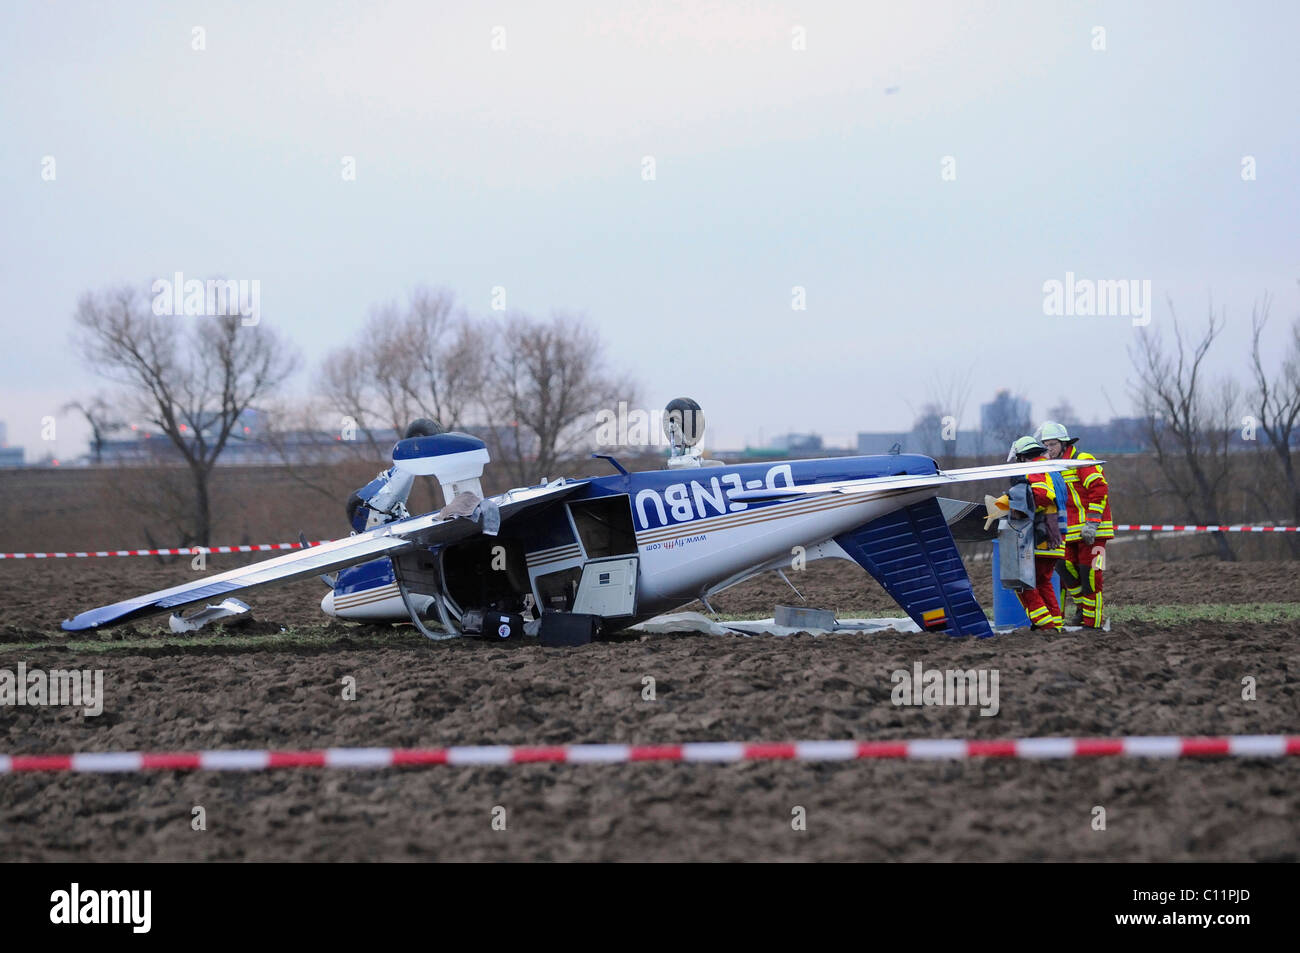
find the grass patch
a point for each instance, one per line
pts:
(1208, 612)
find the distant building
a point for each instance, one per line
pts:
(249, 442)
(797, 442)
(884, 441)
(253, 442)
(1129, 435)
(789, 445)
(1005, 413)
(1119, 435)
(9, 456)
(519, 443)
(967, 443)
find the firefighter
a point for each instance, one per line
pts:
(1088, 525)
(1040, 602)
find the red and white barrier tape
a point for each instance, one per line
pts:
(1178, 528)
(269, 547)
(1241, 746)
(182, 551)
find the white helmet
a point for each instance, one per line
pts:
(1051, 430)
(1025, 446)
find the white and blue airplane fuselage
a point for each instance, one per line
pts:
(626, 546)
(693, 531)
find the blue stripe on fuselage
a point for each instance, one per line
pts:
(662, 498)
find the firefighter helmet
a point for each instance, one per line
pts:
(1025, 446)
(1051, 430)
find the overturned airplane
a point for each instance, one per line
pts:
(606, 552)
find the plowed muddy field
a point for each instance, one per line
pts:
(260, 687)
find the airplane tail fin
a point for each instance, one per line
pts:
(911, 553)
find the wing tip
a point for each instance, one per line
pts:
(95, 618)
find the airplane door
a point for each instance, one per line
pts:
(608, 587)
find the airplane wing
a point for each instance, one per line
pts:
(386, 540)
(884, 486)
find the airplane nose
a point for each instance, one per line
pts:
(327, 604)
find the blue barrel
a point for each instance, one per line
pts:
(1007, 610)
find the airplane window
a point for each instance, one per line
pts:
(605, 526)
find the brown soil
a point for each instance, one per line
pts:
(36, 595)
(840, 585)
(1137, 679)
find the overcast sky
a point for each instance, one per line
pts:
(776, 166)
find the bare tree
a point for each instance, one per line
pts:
(192, 381)
(348, 384)
(1276, 402)
(101, 419)
(935, 425)
(425, 359)
(446, 359)
(548, 380)
(927, 431)
(314, 449)
(1188, 422)
(950, 393)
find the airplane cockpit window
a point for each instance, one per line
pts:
(605, 526)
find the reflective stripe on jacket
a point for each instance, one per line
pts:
(1046, 502)
(1087, 498)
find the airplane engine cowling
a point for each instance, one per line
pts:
(455, 460)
